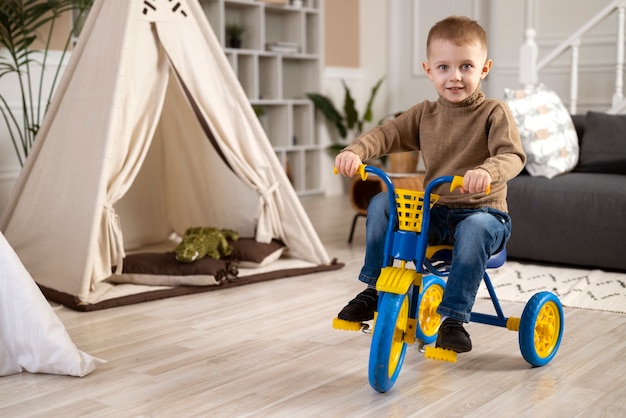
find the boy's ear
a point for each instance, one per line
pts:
(486, 68)
(426, 68)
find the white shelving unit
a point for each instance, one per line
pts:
(276, 82)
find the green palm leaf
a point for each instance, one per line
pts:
(21, 24)
(367, 116)
(350, 119)
(349, 108)
(328, 109)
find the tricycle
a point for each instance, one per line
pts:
(408, 297)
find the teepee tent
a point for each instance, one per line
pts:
(149, 133)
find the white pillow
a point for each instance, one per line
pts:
(546, 129)
(269, 259)
(32, 337)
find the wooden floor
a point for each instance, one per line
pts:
(268, 350)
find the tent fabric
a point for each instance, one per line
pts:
(123, 160)
(32, 337)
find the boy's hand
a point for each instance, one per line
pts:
(347, 163)
(475, 181)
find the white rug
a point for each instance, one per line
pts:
(576, 288)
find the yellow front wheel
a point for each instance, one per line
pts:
(388, 340)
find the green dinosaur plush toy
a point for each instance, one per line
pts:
(198, 242)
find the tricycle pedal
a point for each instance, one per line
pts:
(342, 324)
(441, 354)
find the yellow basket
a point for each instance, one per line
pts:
(410, 204)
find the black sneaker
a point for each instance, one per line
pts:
(453, 336)
(361, 308)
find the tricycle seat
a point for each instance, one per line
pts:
(442, 254)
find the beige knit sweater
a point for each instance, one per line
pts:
(454, 138)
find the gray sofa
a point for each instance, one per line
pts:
(577, 218)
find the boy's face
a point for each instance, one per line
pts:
(456, 70)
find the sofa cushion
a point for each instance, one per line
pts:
(546, 130)
(576, 219)
(579, 124)
(603, 145)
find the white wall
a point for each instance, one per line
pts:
(557, 19)
(393, 35)
(505, 22)
(9, 85)
(374, 52)
(9, 165)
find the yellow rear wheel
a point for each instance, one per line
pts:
(541, 328)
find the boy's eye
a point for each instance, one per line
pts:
(443, 67)
(467, 66)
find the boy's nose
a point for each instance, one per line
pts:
(456, 75)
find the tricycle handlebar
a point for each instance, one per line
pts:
(455, 181)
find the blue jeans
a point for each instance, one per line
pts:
(476, 234)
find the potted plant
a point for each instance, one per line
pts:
(234, 31)
(21, 22)
(350, 120)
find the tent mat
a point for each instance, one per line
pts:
(71, 302)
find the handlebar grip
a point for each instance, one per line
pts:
(457, 181)
(360, 170)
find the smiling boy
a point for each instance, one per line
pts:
(462, 133)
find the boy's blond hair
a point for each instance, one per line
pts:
(460, 30)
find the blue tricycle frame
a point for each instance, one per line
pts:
(408, 298)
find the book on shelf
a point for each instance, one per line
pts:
(284, 2)
(284, 47)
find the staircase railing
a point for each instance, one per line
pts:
(530, 65)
